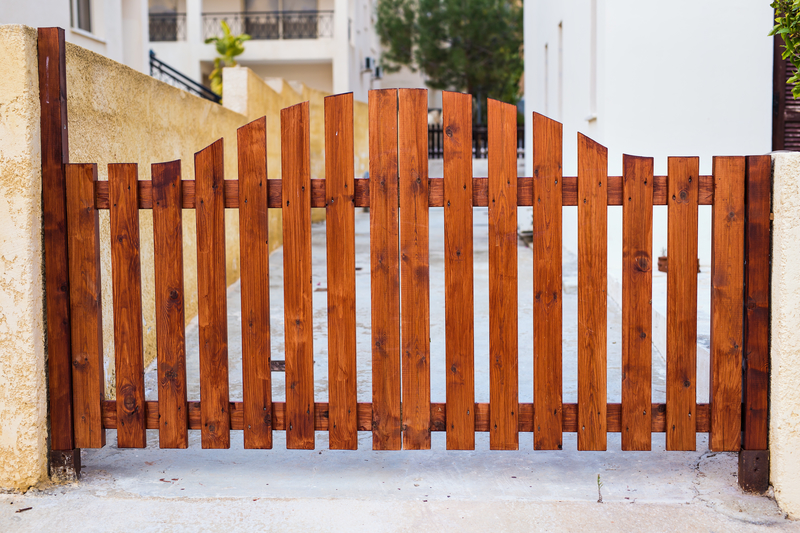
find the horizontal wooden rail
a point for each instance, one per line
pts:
(438, 416)
(480, 192)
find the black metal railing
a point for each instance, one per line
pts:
(480, 142)
(271, 25)
(167, 27)
(163, 72)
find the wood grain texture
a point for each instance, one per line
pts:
(212, 297)
(458, 272)
(254, 250)
(126, 273)
(547, 379)
(415, 268)
(682, 303)
(298, 308)
(55, 152)
(637, 293)
(340, 228)
(756, 326)
(385, 272)
(503, 298)
(727, 302)
(170, 311)
(85, 298)
(592, 297)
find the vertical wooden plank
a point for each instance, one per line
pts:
(212, 297)
(592, 298)
(254, 246)
(414, 267)
(682, 198)
(384, 260)
(756, 328)
(340, 227)
(85, 300)
(55, 152)
(637, 294)
(458, 276)
(727, 303)
(126, 272)
(296, 192)
(503, 327)
(547, 381)
(169, 295)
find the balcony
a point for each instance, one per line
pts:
(272, 25)
(167, 27)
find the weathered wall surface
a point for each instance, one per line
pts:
(784, 422)
(23, 391)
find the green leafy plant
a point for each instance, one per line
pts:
(787, 25)
(228, 47)
(473, 46)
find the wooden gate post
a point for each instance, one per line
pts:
(754, 455)
(64, 457)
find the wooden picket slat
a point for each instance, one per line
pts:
(385, 272)
(637, 294)
(254, 246)
(503, 327)
(415, 268)
(592, 297)
(85, 299)
(682, 303)
(727, 302)
(547, 374)
(458, 272)
(169, 296)
(298, 308)
(341, 251)
(127, 293)
(212, 297)
(756, 340)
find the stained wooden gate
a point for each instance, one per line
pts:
(399, 194)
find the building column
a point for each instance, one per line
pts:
(341, 43)
(194, 36)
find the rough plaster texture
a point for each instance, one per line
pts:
(23, 391)
(784, 423)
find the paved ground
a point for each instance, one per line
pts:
(280, 490)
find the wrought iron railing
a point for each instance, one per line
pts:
(167, 27)
(269, 25)
(480, 142)
(163, 72)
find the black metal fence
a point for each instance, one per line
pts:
(270, 25)
(163, 72)
(167, 27)
(480, 142)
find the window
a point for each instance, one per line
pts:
(81, 13)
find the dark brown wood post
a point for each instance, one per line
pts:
(55, 153)
(754, 456)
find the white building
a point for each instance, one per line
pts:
(329, 45)
(114, 28)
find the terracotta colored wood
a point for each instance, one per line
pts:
(126, 273)
(254, 246)
(86, 307)
(298, 309)
(415, 268)
(55, 152)
(756, 325)
(169, 295)
(592, 297)
(458, 273)
(340, 227)
(682, 303)
(727, 302)
(385, 262)
(503, 327)
(212, 297)
(637, 294)
(547, 381)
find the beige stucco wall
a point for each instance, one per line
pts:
(23, 391)
(784, 423)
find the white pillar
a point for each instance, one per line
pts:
(341, 44)
(194, 36)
